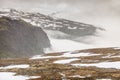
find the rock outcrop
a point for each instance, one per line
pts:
(20, 39)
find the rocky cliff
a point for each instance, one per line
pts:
(18, 38)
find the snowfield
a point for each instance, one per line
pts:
(65, 61)
(15, 66)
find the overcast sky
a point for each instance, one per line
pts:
(79, 10)
(73, 9)
(104, 13)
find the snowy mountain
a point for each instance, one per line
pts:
(76, 35)
(71, 29)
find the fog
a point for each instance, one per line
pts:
(101, 13)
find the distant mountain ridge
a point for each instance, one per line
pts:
(71, 28)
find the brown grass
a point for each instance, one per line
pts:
(50, 71)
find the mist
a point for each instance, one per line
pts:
(101, 13)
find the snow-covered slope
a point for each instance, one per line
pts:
(47, 22)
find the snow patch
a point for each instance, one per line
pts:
(11, 76)
(15, 66)
(67, 55)
(114, 55)
(78, 76)
(117, 48)
(103, 79)
(43, 57)
(72, 27)
(72, 54)
(65, 61)
(102, 65)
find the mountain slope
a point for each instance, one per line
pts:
(71, 28)
(89, 64)
(18, 38)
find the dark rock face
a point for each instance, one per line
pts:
(21, 39)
